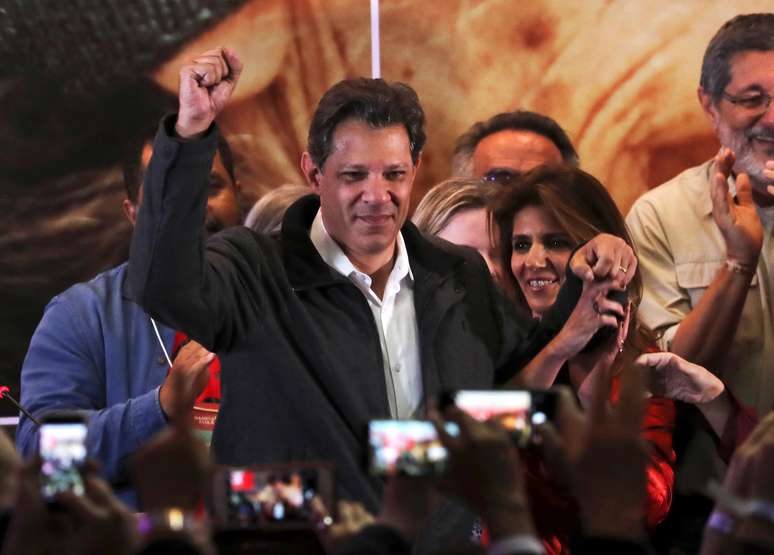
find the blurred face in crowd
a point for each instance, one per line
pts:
(222, 203)
(741, 118)
(513, 151)
(364, 187)
(470, 228)
(222, 196)
(541, 252)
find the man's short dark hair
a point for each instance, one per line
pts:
(372, 101)
(520, 120)
(134, 173)
(743, 33)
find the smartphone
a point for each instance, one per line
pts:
(518, 410)
(272, 496)
(406, 447)
(607, 333)
(62, 451)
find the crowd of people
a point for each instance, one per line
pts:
(274, 335)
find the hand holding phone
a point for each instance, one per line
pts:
(62, 451)
(406, 448)
(518, 410)
(272, 496)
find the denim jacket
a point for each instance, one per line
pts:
(95, 350)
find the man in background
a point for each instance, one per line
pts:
(705, 240)
(511, 143)
(97, 351)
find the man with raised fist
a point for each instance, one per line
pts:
(350, 314)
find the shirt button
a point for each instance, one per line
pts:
(161, 360)
(396, 368)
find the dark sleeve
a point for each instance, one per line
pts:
(170, 274)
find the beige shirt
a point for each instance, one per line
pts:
(680, 250)
(394, 316)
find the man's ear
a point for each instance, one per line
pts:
(130, 211)
(311, 172)
(708, 107)
(419, 163)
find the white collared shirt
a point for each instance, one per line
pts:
(394, 316)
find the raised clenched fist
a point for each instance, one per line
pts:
(206, 84)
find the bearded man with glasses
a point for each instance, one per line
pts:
(706, 246)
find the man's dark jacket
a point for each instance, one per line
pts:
(301, 361)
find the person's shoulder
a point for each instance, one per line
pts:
(101, 286)
(88, 300)
(691, 182)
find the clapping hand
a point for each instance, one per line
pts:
(738, 222)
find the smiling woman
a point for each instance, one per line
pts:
(540, 220)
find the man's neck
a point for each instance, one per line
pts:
(378, 267)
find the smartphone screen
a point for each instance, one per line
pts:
(518, 410)
(63, 452)
(406, 447)
(275, 495)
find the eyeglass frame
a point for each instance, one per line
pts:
(738, 100)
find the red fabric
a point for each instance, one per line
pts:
(741, 422)
(211, 392)
(555, 512)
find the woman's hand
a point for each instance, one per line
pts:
(593, 311)
(599, 361)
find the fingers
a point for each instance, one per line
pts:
(623, 328)
(721, 198)
(655, 360)
(631, 404)
(610, 308)
(210, 67)
(600, 394)
(553, 449)
(744, 190)
(235, 65)
(569, 417)
(768, 174)
(724, 161)
(456, 415)
(605, 256)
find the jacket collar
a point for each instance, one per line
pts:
(306, 268)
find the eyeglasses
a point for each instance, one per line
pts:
(501, 176)
(758, 103)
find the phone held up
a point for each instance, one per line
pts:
(271, 497)
(406, 448)
(518, 410)
(62, 451)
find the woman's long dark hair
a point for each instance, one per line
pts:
(579, 203)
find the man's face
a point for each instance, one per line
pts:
(365, 187)
(518, 151)
(748, 131)
(222, 202)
